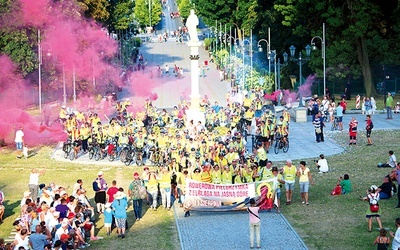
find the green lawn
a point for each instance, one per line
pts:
(327, 223)
(156, 230)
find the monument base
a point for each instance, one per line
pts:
(196, 116)
(300, 114)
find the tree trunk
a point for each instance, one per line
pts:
(363, 59)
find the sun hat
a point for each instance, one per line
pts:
(100, 173)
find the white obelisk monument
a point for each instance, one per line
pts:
(194, 112)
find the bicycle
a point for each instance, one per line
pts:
(68, 150)
(127, 154)
(335, 124)
(281, 144)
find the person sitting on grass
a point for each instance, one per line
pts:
(345, 183)
(391, 163)
(385, 190)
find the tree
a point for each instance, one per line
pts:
(184, 8)
(359, 33)
(96, 9)
(121, 15)
(148, 12)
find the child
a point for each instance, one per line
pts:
(255, 223)
(108, 214)
(382, 240)
(25, 151)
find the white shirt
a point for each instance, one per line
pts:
(19, 136)
(34, 179)
(396, 240)
(323, 165)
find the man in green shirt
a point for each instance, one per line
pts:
(389, 105)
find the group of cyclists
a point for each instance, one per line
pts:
(158, 137)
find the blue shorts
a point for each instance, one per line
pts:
(19, 145)
(278, 193)
(289, 186)
(304, 187)
(340, 118)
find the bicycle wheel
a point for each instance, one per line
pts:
(276, 147)
(72, 155)
(66, 149)
(111, 156)
(91, 153)
(286, 146)
(97, 154)
(123, 155)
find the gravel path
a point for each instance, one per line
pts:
(230, 230)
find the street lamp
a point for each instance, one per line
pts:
(40, 57)
(300, 61)
(323, 52)
(243, 69)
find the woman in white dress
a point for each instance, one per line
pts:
(21, 239)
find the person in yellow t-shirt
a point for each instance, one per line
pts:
(216, 175)
(305, 179)
(226, 175)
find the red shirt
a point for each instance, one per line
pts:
(111, 191)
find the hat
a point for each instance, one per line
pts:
(374, 187)
(100, 173)
(136, 174)
(119, 195)
(27, 193)
(146, 168)
(63, 193)
(64, 237)
(64, 222)
(108, 205)
(71, 215)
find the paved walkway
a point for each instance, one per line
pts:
(230, 230)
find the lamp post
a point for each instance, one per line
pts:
(243, 69)
(40, 57)
(260, 49)
(213, 30)
(300, 61)
(323, 52)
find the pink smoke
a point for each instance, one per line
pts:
(305, 88)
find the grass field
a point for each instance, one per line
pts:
(327, 223)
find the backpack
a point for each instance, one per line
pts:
(1, 198)
(373, 202)
(95, 186)
(371, 125)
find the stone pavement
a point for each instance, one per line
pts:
(230, 230)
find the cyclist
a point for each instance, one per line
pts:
(281, 130)
(139, 144)
(75, 139)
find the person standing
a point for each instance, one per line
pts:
(111, 191)
(165, 187)
(120, 204)
(134, 193)
(382, 241)
(373, 208)
(318, 128)
(353, 131)
(100, 188)
(34, 183)
(289, 175)
(254, 223)
(369, 126)
(396, 236)
(389, 103)
(305, 178)
(19, 141)
(339, 115)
